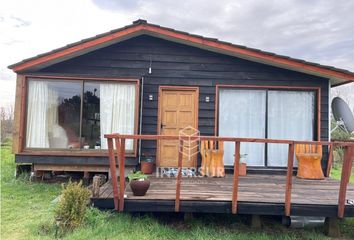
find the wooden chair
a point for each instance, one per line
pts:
(309, 161)
(212, 159)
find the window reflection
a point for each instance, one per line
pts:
(53, 114)
(91, 116)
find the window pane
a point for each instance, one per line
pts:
(91, 116)
(290, 117)
(117, 110)
(53, 114)
(242, 114)
(109, 107)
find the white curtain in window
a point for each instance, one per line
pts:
(52, 109)
(291, 117)
(242, 114)
(57, 134)
(117, 111)
(43, 129)
(37, 118)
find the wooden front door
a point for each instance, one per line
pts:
(178, 109)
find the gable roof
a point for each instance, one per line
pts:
(337, 76)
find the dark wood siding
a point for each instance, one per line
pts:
(181, 65)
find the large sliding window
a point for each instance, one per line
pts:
(258, 113)
(242, 114)
(291, 117)
(65, 114)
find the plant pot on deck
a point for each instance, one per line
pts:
(147, 165)
(242, 169)
(139, 183)
(140, 187)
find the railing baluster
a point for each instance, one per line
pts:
(289, 179)
(345, 176)
(330, 160)
(236, 173)
(351, 160)
(121, 174)
(112, 168)
(179, 176)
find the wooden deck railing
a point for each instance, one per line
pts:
(119, 152)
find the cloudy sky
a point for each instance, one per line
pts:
(319, 31)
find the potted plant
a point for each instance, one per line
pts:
(243, 166)
(139, 183)
(147, 164)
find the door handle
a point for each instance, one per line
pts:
(163, 125)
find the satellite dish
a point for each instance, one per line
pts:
(342, 115)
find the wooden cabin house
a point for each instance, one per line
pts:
(145, 79)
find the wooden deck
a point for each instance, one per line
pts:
(257, 194)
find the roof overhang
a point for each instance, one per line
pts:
(141, 27)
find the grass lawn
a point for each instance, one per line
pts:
(27, 213)
(336, 172)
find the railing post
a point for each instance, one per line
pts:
(345, 176)
(179, 176)
(121, 174)
(236, 174)
(289, 179)
(112, 168)
(330, 160)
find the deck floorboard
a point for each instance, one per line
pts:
(255, 188)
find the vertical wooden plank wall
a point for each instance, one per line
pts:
(175, 64)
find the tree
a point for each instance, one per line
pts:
(6, 122)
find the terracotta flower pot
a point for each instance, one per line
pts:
(147, 167)
(243, 169)
(139, 187)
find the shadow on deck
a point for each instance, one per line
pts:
(257, 194)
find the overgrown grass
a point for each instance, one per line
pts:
(336, 170)
(27, 213)
(336, 174)
(24, 205)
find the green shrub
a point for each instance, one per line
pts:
(72, 206)
(339, 134)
